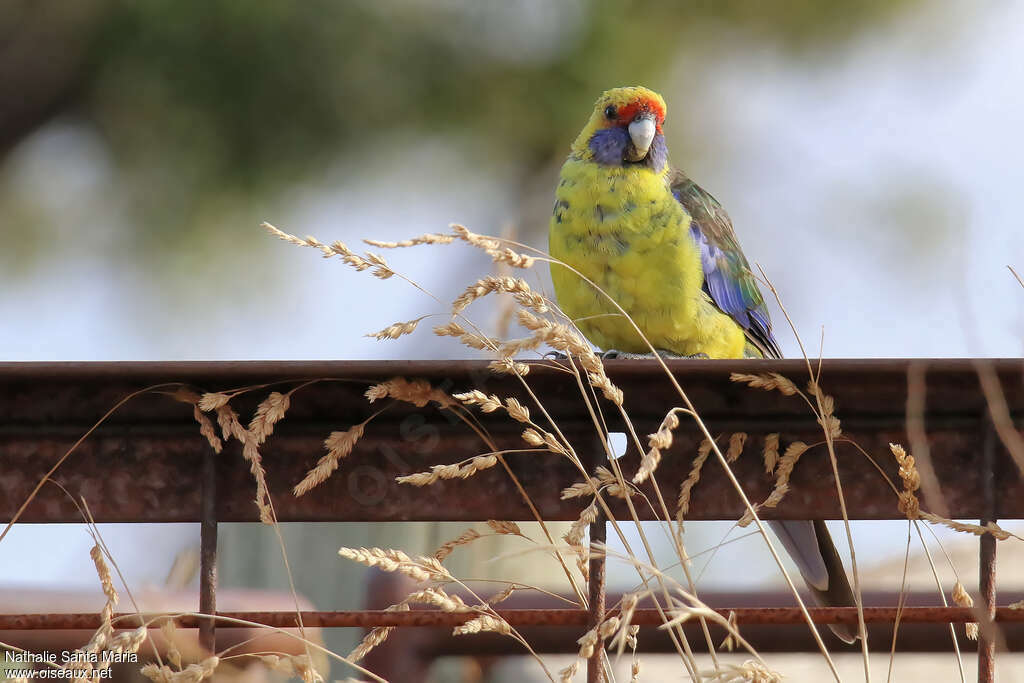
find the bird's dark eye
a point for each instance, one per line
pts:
(609, 112)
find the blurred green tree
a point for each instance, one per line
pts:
(212, 104)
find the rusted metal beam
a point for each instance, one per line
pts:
(515, 617)
(149, 450)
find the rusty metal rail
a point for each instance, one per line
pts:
(151, 447)
(515, 617)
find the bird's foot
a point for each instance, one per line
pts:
(614, 354)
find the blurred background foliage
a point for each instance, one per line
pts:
(208, 111)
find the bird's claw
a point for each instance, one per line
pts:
(615, 354)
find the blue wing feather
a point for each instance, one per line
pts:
(727, 277)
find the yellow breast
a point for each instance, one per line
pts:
(622, 229)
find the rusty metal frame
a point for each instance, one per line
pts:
(46, 406)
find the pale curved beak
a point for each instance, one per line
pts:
(641, 132)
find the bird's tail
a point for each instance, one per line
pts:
(810, 545)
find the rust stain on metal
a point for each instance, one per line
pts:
(150, 449)
(516, 617)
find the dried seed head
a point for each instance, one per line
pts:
(771, 452)
(396, 330)
(769, 381)
(736, 442)
(683, 503)
(504, 527)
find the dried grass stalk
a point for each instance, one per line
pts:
(493, 248)
(749, 671)
(504, 595)
(517, 287)
(213, 400)
(207, 429)
(962, 598)
(574, 538)
(568, 673)
(446, 549)
(418, 392)
(582, 488)
(377, 635)
(611, 483)
(657, 442)
(769, 381)
(396, 330)
(783, 471)
(729, 643)
(908, 504)
(470, 339)
(507, 366)
(736, 442)
(429, 238)
(504, 527)
(372, 262)
(771, 452)
(193, 673)
(683, 503)
(483, 623)
(389, 560)
(589, 640)
(339, 445)
(565, 339)
(270, 411)
(439, 472)
(438, 598)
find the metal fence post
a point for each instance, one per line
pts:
(987, 564)
(208, 552)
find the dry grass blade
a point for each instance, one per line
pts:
(493, 248)
(686, 488)
(454, 471)
(269, 412)
(508, 366)
(485, 623)
(769, 381)
(467, 536)
(517, 287)
(339, 445)
(396, 330)
(1016, 275)
(418, 392)
(388, 560)
(429, 238)
(736, 442)
(193, 673)
(771, 452)
(470, 339)
(657, 442)
(962, 598)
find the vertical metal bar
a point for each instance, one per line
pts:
(598, 534)
(208, 551)
(987, 565)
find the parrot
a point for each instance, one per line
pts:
(665, 250)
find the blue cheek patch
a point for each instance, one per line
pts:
(657, 156)
(608, 145)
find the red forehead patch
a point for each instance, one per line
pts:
(627, 113)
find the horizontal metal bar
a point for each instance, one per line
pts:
(141, 466)
(515, 617)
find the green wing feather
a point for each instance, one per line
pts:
(728, 280)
